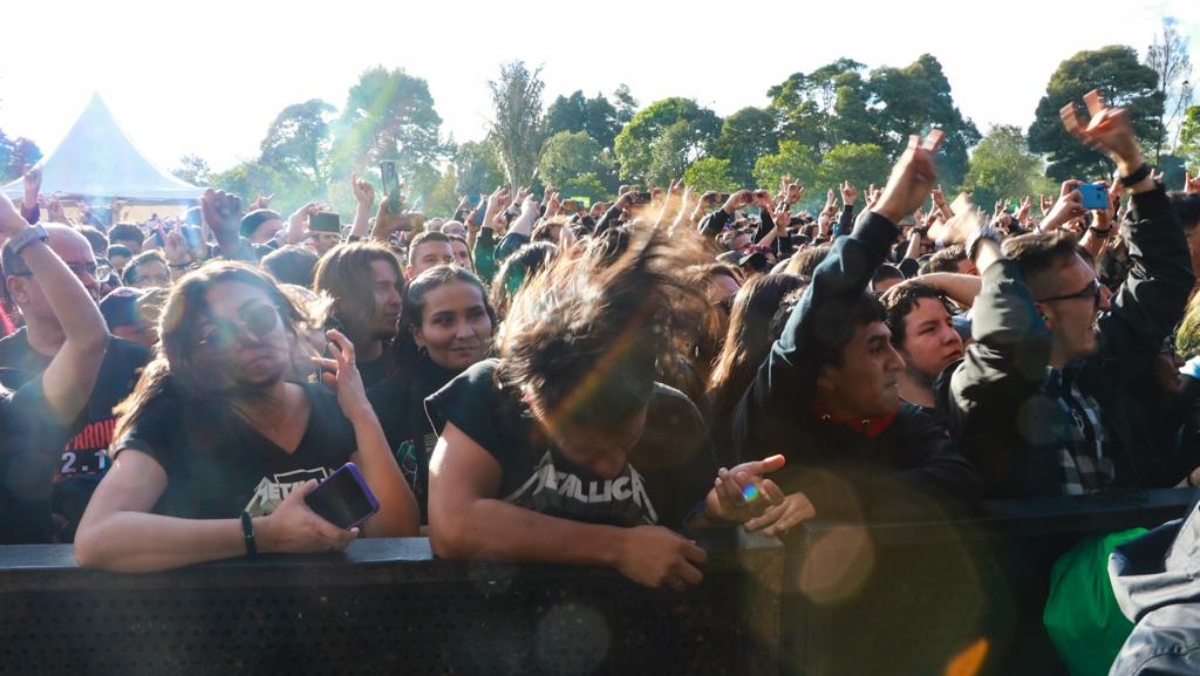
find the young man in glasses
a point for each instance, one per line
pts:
(1042, 401)
(81, 452)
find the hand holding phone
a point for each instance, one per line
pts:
(391, 184)
(344, 499)
(1095, 195)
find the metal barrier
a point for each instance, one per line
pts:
(833, 599)
(386, 607)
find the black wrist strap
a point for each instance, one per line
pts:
(1136, 177)
(248, 534)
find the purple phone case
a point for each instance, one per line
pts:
(362, 483)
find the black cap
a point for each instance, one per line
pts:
(252, 220)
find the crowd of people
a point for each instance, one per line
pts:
(536, 380)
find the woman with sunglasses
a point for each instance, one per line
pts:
(224, 437)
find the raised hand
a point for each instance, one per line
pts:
(873, 195)
(912, 179)
(342, 375)
(175, 247)
(1108, 131)
(222, 211)
(261, 202)
(738, 200)
(849, 194)
(364, 192)
(54, 210)
(1068, 206)
(1191, 185)
(31, 181)
(1023, 210)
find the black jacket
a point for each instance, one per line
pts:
(1154, 580)
(1010, 429)
(845, 472)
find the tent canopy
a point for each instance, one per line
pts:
(97, 160)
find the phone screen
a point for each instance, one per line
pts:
(343, 499)
(391, 184)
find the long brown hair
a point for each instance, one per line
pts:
(176, 362)
(344, 280)
(583, 342)
(748, 340)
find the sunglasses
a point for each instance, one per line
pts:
(1090, 292)
(223, 334)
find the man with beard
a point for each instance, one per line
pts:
(364, 288)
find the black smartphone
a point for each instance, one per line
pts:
(325, 221)
(344, 499)
(391, 184)
(723, 198)
(642, 197)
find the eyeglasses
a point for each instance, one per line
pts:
(223, 334)
(100, 272)
(1090, 292)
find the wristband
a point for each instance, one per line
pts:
(248, 534)
(26, 237)
(1136, 177)
(1103, 234)
(981, 233)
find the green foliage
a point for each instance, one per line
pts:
(15, 154)
(711, 173)
(518, 127)
(1189, 136)
(597, 117)
(575, 164)
(389, 115)
(661, 141)
(792, 159)
(298, 141)
(746, 136)
(808, 105)
(860, 163)
(443, 195)
(912, 100)
(193, 169)
(1004, 168)
(1122, 81)
(478, 168)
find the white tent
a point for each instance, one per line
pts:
(96, 160)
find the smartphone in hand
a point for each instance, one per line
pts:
(1095, 195)
(391, 184)
(344, 499)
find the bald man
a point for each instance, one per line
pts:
(80, 454)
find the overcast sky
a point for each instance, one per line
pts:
(209, 79)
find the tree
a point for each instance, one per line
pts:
(1189, 136)
(595, 116)
(15, 155)
(1168, 56)
(711, 173)
(576, 165)
(913, 99)
(389, 115)
(661, 141)
(298, 140)
(1002, 167)
(825, 107)
(518, 127)
(626, 105)
(193, 169)
(477, 168)
(1123, 82)
(252, 178)
(746, 136)
(792, 159)
(861, 164)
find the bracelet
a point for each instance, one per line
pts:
(248, 534)
(1102, 233)
(1136, 177)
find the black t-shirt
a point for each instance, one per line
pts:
(218, 465)
(80, 450)
(400, 405)
(25, 514)
(374, 371)
(669, 470)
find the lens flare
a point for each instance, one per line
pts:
(750, 493)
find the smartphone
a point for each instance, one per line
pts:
(723, 198)
(642, 197)
(1095, 195)
(391, 184)
(325, 221)
(344, 499)
(571, 207)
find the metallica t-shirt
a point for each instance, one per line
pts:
(668, 473)
(218, 465)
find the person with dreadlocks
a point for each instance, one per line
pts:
(566, 449)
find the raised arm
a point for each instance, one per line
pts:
(364, 199)
(69, 379)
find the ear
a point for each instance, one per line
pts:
(1046, 318)
(408, 273)
(825, 377)
(418, 336)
